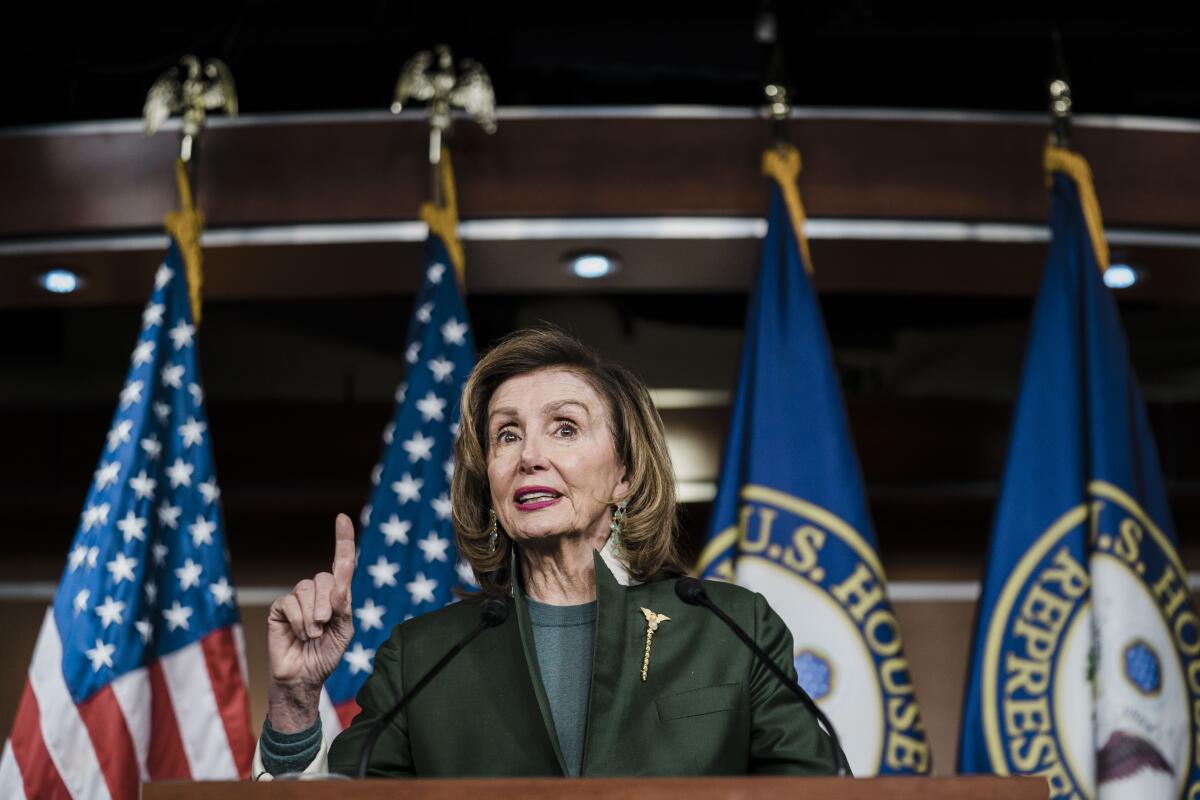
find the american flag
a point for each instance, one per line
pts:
(139, 671)
(407, 561)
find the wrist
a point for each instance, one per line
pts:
(291, 709)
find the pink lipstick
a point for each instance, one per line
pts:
(532, 498)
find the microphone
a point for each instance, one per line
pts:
(692, 592)
(495, 612)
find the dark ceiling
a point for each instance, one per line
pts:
(97, 63)
(940, 370)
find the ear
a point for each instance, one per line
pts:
(621, 490)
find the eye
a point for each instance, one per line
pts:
(567, 430)
(506, 436)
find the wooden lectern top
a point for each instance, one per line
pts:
(982, 787)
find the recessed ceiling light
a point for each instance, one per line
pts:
(60, 281)
(1121, 276)
(591, 264)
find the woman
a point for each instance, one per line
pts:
(564, 505)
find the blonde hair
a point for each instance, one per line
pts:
(649, 530)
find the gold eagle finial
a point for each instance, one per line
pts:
(423, 80)
(192, 88)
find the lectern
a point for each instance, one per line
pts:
(959, 788)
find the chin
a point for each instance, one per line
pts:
(538, 534)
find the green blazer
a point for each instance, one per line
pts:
(706, 707)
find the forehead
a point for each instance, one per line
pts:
(530, 392)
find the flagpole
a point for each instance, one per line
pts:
(1060, 97)
(430, 75)
(409, 495)
(781, 160)
(1060, 107)
(192, 89)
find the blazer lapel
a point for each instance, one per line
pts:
(525, 626)
(610, 658)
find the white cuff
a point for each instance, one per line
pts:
(319, 764)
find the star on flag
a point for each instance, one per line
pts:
(370, 615)
(95, 515)
(101, 655)
(107, 474)
(441, 506)
(383, 572)
(168, 516)
(202, 531)
(143, 353)
(119, 434)
(209, 491)
(143, 486)
(433, 547)
(121, 568)
(189, 575)
(222, 592)
(181, 335)
(359, 658)
(180, 473)
(177, 616)
(441, 369)
(172, 377)
(419, 447)
(132, 527)
(192, 432)
(395, 530)
(132, 393)
(421, 588)
(407, 488)
(454, 332)
(152, 316)
(431, 407)
(109, 612)
(152, 447)
(163, 276)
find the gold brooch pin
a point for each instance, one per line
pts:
(652, 621)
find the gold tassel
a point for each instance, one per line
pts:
(185, 226)
(443, 220)
(782, 163)
(1075, 167)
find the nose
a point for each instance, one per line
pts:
(532, 457)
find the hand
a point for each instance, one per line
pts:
(308, 629)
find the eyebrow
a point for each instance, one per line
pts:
(558, 405)
(549, 407)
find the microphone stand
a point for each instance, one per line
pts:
(691, 591)
(495, 611)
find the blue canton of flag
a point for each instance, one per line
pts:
(790, 517)
(138, 672)
(407, 561)
(1086, 662)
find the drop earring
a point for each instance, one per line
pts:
(617, 518)
(493, 531)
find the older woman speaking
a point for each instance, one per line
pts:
(564, 505)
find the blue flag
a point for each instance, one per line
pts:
(790, 518)
(1086, 661)
(407, 561)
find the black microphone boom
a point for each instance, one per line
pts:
(691, 591)
(494, 612)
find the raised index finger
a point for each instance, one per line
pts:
(343, 554)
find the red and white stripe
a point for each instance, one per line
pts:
(185, 716)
